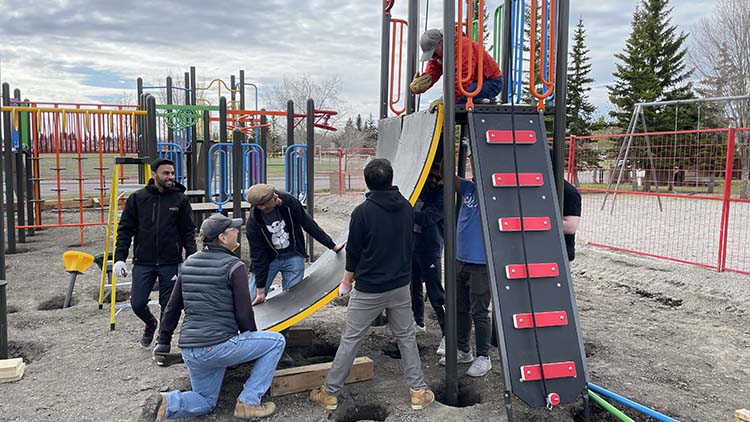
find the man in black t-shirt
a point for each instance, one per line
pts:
(571, 217)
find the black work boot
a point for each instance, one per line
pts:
(148, 334)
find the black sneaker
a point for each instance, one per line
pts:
(148, 335)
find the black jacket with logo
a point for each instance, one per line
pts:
(160, 225)
(380, 245)
(296, 218)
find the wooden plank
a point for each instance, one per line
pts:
(742, 415)
(299, 337)
(305, 378)
(13, 370)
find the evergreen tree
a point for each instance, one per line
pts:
(579, 108)
(651, 67)
(358, 124)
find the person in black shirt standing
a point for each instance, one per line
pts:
(159, 220)
(571, 217)
(378, 255)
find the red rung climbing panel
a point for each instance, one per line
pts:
(506, 136)
(515, 271)
(500, 180)
(551, 371)
(530, 224)
(543, 319)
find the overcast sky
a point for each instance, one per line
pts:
(93, 50)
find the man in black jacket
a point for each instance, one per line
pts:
(218, 330)
(274, 232)
(378, 256)
(159, 220)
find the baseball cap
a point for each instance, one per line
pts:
(260, 193)
(215, 225)
(428, 42)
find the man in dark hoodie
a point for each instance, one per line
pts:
(159, 220)
(274, 232)
(378, 256)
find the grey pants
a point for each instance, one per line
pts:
(473, 298)
(363, 308)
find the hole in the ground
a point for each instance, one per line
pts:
(28, 350)
(55, 302)
(321, 350)
(467, 395)
(392, 351)
(122, 295)
(599, 414)
(362, 412)
(12, 309)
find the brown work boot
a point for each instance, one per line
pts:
(245, 411)
(326, 400)
(421, 398)
(161, 408)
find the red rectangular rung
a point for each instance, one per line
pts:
(506, 136)
(500, 180)
(515, 271)
(551, 371)
(543, 319)
(513, 224)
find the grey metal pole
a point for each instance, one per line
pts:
(289, 123)
(237, 139)
(170, 101)
(264, 142)
(193, 159)
(3, 317)
(242, 92)
(385, 38)
(19, 172)
(449, 194)
(150, 141)
(8, 166)
(5, 133)
(189, 170)
(561, 94)
(310, 156)
(505, 61)
(411, 52)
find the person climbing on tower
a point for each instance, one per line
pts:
(431, 43)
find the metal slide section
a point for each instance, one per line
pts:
(389, 133)
(532, 288)
(416, 148)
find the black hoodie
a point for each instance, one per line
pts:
(380, 243)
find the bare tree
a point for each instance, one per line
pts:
(721, 55)
(325, 93)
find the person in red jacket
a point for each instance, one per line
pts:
(431, 43)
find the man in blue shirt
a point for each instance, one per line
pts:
(473, 296)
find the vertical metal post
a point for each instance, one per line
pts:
(23, 131)
(311, 171)
(411, 52)
(170, 101)
(150, 141)
(385, 39)
(189, 170)
(205, 146)
(561, 94)
(242, 93)
(232, 88)
(726, 203)
(507, 48)
(193, 157)
(289, 123)
(264, 142)
(237, 140)
(6, 135)
(8, 168)
(30, 204)
(3, 317)
(449, 194)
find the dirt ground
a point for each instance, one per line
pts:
(672, 337)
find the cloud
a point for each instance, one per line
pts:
(87, 50)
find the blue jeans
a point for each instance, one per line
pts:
(206, 366)
(491, 88)
(292, 268)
